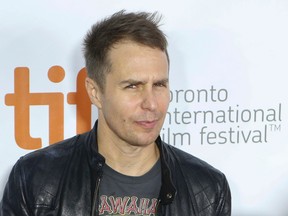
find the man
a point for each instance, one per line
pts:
(120, 167)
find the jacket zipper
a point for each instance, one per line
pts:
(95, 199)
(158, 211)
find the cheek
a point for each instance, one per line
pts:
(130, 101)
(123, 108)
(164, 100)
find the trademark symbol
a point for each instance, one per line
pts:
(274, 127)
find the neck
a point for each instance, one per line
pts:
(129, 160)
(126, 158)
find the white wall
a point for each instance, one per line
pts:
(234, 51)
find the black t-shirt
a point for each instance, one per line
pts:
(129, 195)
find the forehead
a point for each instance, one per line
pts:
(133, 56)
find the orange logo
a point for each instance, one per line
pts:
(22, 99)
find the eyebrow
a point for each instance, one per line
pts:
(137, 82)
(131, 81)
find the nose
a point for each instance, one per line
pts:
(149, 100)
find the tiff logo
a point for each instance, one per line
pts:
(22, 99)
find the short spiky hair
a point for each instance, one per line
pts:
(141, 27)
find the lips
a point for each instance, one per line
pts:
(147, 124)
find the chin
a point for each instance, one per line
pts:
(147, 141)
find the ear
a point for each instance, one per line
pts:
(94, 92)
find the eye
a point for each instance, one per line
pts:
(161, 84)
(131, 86)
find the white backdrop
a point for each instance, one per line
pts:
(228, 85)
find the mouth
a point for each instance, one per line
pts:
(147, 124)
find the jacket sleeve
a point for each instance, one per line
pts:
(224, 206)
(14, 202)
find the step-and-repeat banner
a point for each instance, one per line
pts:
(229, 104)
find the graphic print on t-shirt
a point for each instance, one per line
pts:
(127, 206)
(129, 195)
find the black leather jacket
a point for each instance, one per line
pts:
(64, 179)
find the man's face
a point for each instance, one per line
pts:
(135, 100)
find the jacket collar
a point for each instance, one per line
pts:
(167, 191)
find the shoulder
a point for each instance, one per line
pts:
(194, 169)
(56, 151)
(49, 161)
(196, 178)
(45, 166)
(35, 178)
